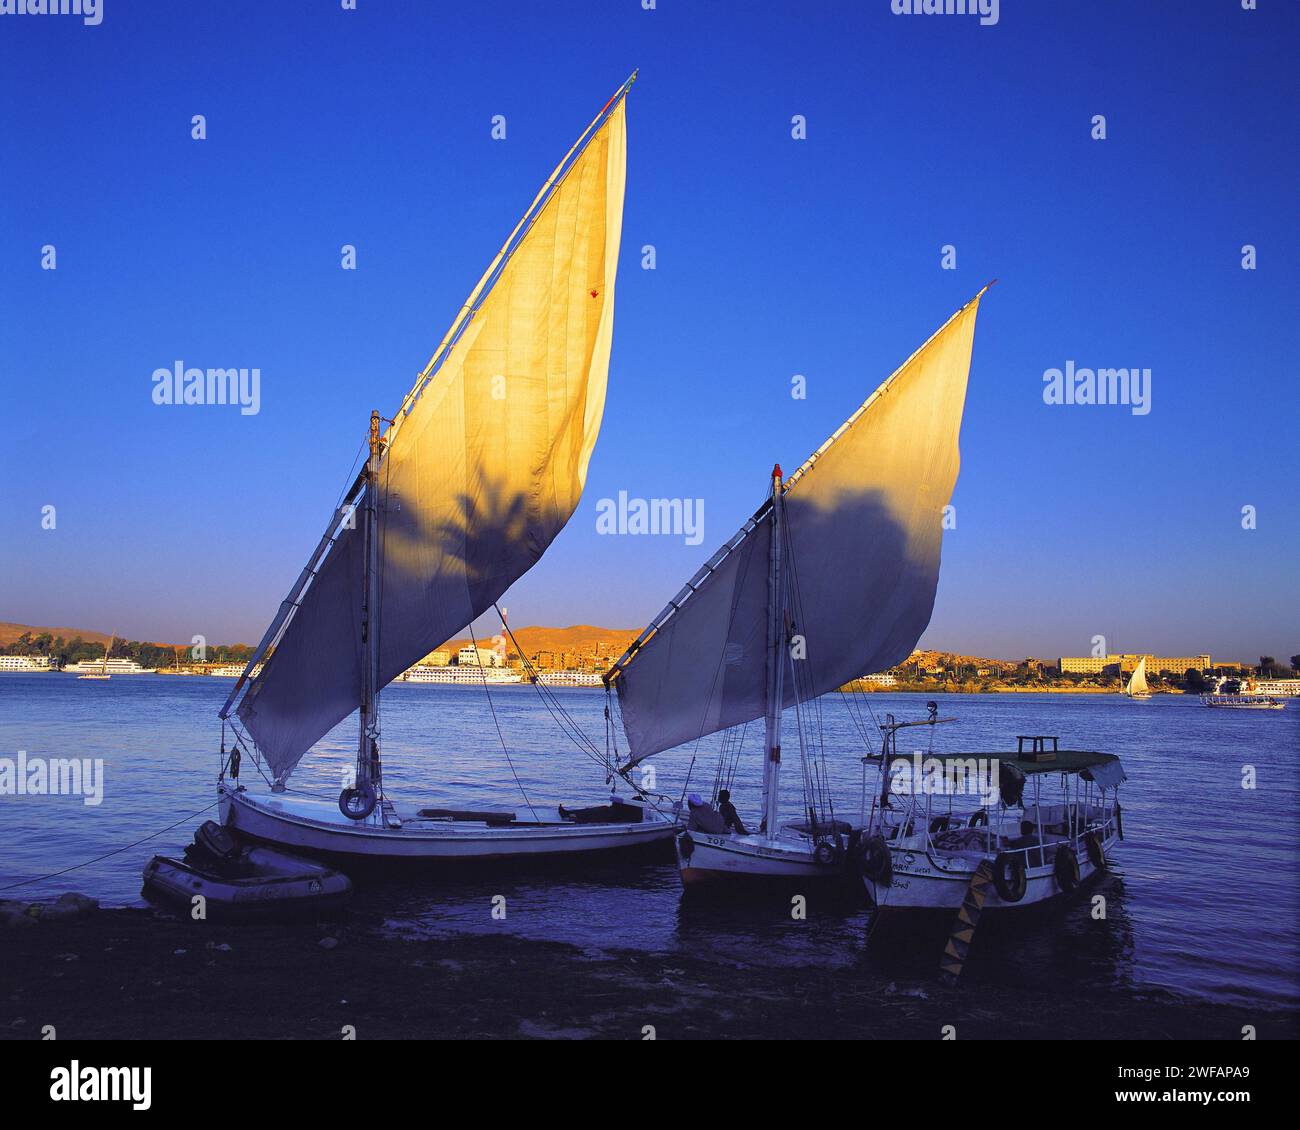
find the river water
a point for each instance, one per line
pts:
(1204, 899)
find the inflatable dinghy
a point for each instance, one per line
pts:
(243, 882)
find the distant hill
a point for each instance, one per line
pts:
(10, 633)
(582, 639)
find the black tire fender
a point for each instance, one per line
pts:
(877, 862)
(358, 801)
(1066, 868)
(1092, 842)
(1009, 876)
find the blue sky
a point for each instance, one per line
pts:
(774, 257)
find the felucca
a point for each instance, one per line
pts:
(833, 576)
(1137, 683)
(464, 489)
(102, 673)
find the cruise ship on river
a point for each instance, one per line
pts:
(24, 663)
(119, 666)
(234, 670)
(467, 675)
(570, 679)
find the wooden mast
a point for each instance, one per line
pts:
(775, 664)
(368, 769)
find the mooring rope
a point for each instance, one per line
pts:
(109, 854)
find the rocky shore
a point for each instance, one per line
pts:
(141, 974)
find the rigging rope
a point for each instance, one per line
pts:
(817, 798)
(569, 725)
(496, 722)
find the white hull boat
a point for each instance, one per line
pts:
(315, 826)
(789, 858)
(999, 847)
(102, 673)
(1242, 702)
(931, 873)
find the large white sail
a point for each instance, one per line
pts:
(483, 466)
(863, 527)
(1137, 683)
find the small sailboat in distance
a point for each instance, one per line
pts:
(1137, 685)
(463, 491)
(102, 673)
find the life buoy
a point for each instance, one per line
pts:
(1093, 843)
(358, 801)
(876, 861)
(824, 853)
(940, 824)
(1066, 867)
(980, 816)
(1009, 876)
(1119, 822)
(686, 846)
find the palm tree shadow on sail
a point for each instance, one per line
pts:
(476, 474)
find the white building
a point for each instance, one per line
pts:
(478, 657)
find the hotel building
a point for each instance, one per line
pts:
(1128, 661)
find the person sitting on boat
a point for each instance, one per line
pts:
(730, 817)
(704, 818)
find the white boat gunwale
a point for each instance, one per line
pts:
(270, 820)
